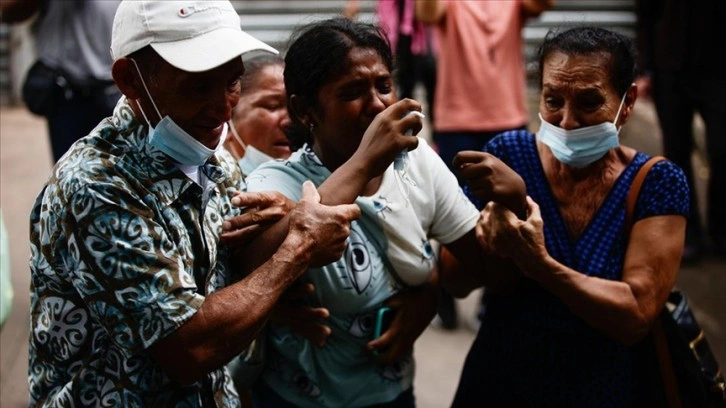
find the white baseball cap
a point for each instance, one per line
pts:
(193, 36)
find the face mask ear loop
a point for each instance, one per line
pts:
(144, 114)
(236, 135)
(622, 101)
(147, 93)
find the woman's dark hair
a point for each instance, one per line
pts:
(255, 65)
(593, 40)
(317, 55)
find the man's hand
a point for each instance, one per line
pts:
(261, 211)
(324, 229)
(492, 180)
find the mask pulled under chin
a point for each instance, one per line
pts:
(176, 143)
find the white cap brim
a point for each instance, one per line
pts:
(209, 50)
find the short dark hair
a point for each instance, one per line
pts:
(586, 40)
(316, 56)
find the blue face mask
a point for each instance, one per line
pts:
(174, 141)
(583, 146)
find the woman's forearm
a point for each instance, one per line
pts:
(342, 187)
(465, 266)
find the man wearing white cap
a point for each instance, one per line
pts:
(134, 301)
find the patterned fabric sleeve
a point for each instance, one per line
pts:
(664, 192)
(127, 270)
(229, 164)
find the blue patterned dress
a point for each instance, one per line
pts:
(531, 350)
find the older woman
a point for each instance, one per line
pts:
(260, 119)
(346, 115)
(592, 285)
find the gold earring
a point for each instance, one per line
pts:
(311, 127)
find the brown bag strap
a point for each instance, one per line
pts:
(670, 386)
(635, 189)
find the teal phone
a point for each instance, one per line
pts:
(384, 316)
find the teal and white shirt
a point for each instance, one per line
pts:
(124, 249)
(389, 247)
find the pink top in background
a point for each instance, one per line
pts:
(387, 11)
(481, 75)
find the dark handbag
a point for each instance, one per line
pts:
(693, 366)
(41, 85)
(687, 368)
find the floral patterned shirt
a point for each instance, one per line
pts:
(124, 248)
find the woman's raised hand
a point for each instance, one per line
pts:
(489, 179)
(386, 136)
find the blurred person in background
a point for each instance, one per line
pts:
(70, 84)
(680, 43)
(481, 80)
(260, 119)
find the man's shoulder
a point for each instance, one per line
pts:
(106, 155)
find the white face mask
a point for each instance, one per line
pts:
(583, 146)
(174, 141)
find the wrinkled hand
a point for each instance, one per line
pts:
(262, 210)
(500, 231)
(489, 179)
(386, 136)
(326, 227)
(414, 308)
(304, 320)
